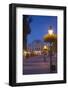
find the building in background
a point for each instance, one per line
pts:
(36, 46)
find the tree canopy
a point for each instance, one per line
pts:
(50, 38)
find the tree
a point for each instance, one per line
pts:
(52, 39)
(26, 30)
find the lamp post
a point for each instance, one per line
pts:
(50, 37)
(45, 52)
(50, 32)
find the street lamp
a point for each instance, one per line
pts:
(50, 31)
(50, 37)
(45, 48)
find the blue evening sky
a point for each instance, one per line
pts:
(39, 27)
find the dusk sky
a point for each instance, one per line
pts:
(39, 27)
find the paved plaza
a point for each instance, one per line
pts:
(38, 65)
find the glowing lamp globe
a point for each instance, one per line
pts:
(50, 30)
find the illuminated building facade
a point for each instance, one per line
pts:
(36, 46)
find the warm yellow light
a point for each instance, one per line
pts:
(45, 47)
(29, 52)
(37, 52)
(25, 53)
(50, 31)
